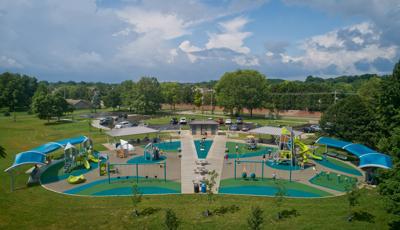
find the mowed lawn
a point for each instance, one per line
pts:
(37, 208)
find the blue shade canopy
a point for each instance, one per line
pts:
(38, 155)
(29, 157)
(368, 157)
(53, 146)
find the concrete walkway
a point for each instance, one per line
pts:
(188, 164)
(215, 158)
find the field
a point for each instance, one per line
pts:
(37, 208)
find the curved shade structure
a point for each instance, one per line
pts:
(38, 154)
(368, 157)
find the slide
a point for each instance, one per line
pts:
(86, 164)
(305, 149)
(76, 179)
(93, 158)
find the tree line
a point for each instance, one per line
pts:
(235, 91)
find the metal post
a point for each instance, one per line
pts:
(235, 170)
(291, 158)
(262, 170)
(137, 173)
(165, 171)
(108, 172)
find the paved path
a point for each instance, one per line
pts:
(189, 156)
(96, 124)
(215, 158)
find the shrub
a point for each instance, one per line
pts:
(171, 220)
(255, 219)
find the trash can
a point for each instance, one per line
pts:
(196, 188)
(203, 188)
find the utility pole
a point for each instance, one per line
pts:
(212, 105)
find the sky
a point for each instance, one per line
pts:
(197, 40)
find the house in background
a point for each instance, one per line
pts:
(79, 104)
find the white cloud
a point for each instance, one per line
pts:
(167, 26)
(246, 61)
(7, 62)
(342, 48)
(231, 36)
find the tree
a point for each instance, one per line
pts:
(198, 98)
(255, 220)
(370, 91)
(350, 119)
(353, 195)
(147, 97)
(210, 183)
(112, 99)
(171, 93)
(47, 105)
(136, 198)
(171, 220)
(280, 197)
(242, 89)
(128, 92)
(3, 153)
(96, 100)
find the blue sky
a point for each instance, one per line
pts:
(196, 40)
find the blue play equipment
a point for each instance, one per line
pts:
(38, 155)
(368, 157)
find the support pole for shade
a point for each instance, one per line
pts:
(165, 171)
(137, 173)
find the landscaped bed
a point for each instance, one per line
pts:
(339, 166)
(334, 181)
(123, 186)
(268, 187)
(244, 151)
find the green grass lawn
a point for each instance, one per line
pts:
(37, 208)
(333, 181)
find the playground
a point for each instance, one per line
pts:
(183, 164)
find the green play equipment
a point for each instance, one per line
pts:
(76, 179)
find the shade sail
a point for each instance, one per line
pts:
(29, 157)
(275, 131)
(368, 157)
(38, 154)
(131, 131)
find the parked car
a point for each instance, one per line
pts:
(220, 121)
(228, 121)
(245, 128)
(173, 121)
(106, 121)
(234, 127)
(239, 120)
(316, 128)
(123, 124)
(183, 121)
(312, 129)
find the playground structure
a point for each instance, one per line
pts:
(251, 142)
(152, 152)
(247, 170)
(292, 151)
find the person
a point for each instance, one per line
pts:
(315, 169)
(264, 156)
(226, 157)
(237, 148)
(269, 153)
(274, 175)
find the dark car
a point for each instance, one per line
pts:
(233, 127)
(239, 120)
(312, 129)
(173, 121)
(106, 121)
(245, 128)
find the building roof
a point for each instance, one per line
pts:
(274, 131)
(368, 157)
(203, 122)
(76, 101)
(131, 131)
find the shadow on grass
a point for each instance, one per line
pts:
(58, 122)
(362, 216)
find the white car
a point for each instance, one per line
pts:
(183, 121)
(228, 121)
(123, 124)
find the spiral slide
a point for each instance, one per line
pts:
(306, 150)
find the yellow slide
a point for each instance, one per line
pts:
(76, 179)
(306, 150)
(92, 158)
(86, 164)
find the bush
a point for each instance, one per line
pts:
(7, 114)
(226, 209)
(149, 211)
(171, 220)
(255, 219)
